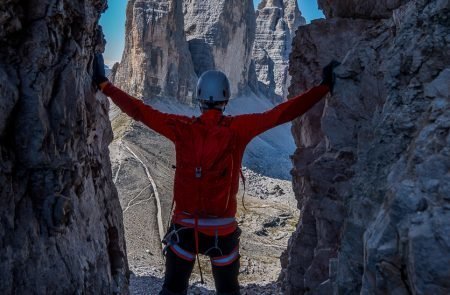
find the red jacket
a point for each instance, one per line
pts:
(180, 129)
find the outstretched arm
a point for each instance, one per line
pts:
(135, 108)
(253, 124)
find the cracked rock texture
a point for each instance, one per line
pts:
(156, 61)
(366, 9)
(372, 168)
(220, 34)
(169, 44)
(61, 226)
(276, 23)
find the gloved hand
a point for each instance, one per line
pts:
(98, 75)
(328, 76)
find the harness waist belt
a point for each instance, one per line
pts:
(209, 222)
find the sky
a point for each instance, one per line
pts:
(113, 23)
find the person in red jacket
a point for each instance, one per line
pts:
(209, 151)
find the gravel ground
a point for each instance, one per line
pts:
(149, 281)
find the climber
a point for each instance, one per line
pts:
(209, 151)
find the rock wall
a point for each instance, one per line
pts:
(276, 23)
(372, 165)
(156, 61)
(220, 35)
(61, 226)
(365, 9)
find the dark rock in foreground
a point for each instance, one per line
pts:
(61, 226)
(372, 166)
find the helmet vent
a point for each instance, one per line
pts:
(211, 98)
(224, 93)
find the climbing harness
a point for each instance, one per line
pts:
(172, 240)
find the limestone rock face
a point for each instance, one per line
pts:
(156, 61)
(372, 166)
(220, 35)
(360, 8)
(276, 23)
(61, 225)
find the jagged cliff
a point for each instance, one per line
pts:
(220, 35)
(156, 61)
(61, 226)
(168, 45)
(276, 23)
(372, 165)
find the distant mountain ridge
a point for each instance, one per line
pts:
(169, 44)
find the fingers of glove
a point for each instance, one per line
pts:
(331, 66)
(334, 63)
(328, 76)
(327, 73)
(99, 65)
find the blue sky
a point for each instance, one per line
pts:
(113, 22)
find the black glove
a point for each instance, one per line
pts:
(98, 75)
(328, 76)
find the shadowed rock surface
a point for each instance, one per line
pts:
(372, 166)
(61, 226)
(366, 9)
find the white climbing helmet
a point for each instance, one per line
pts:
(213, 87)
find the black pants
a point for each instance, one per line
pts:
(178, 270)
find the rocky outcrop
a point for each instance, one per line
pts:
(366, 9)
(276, 23)
(61, 226)
(156, 61)
(372, 166)
(220, 35)
(161, 60)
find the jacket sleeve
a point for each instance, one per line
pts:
(251, 125)
(138, 110)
